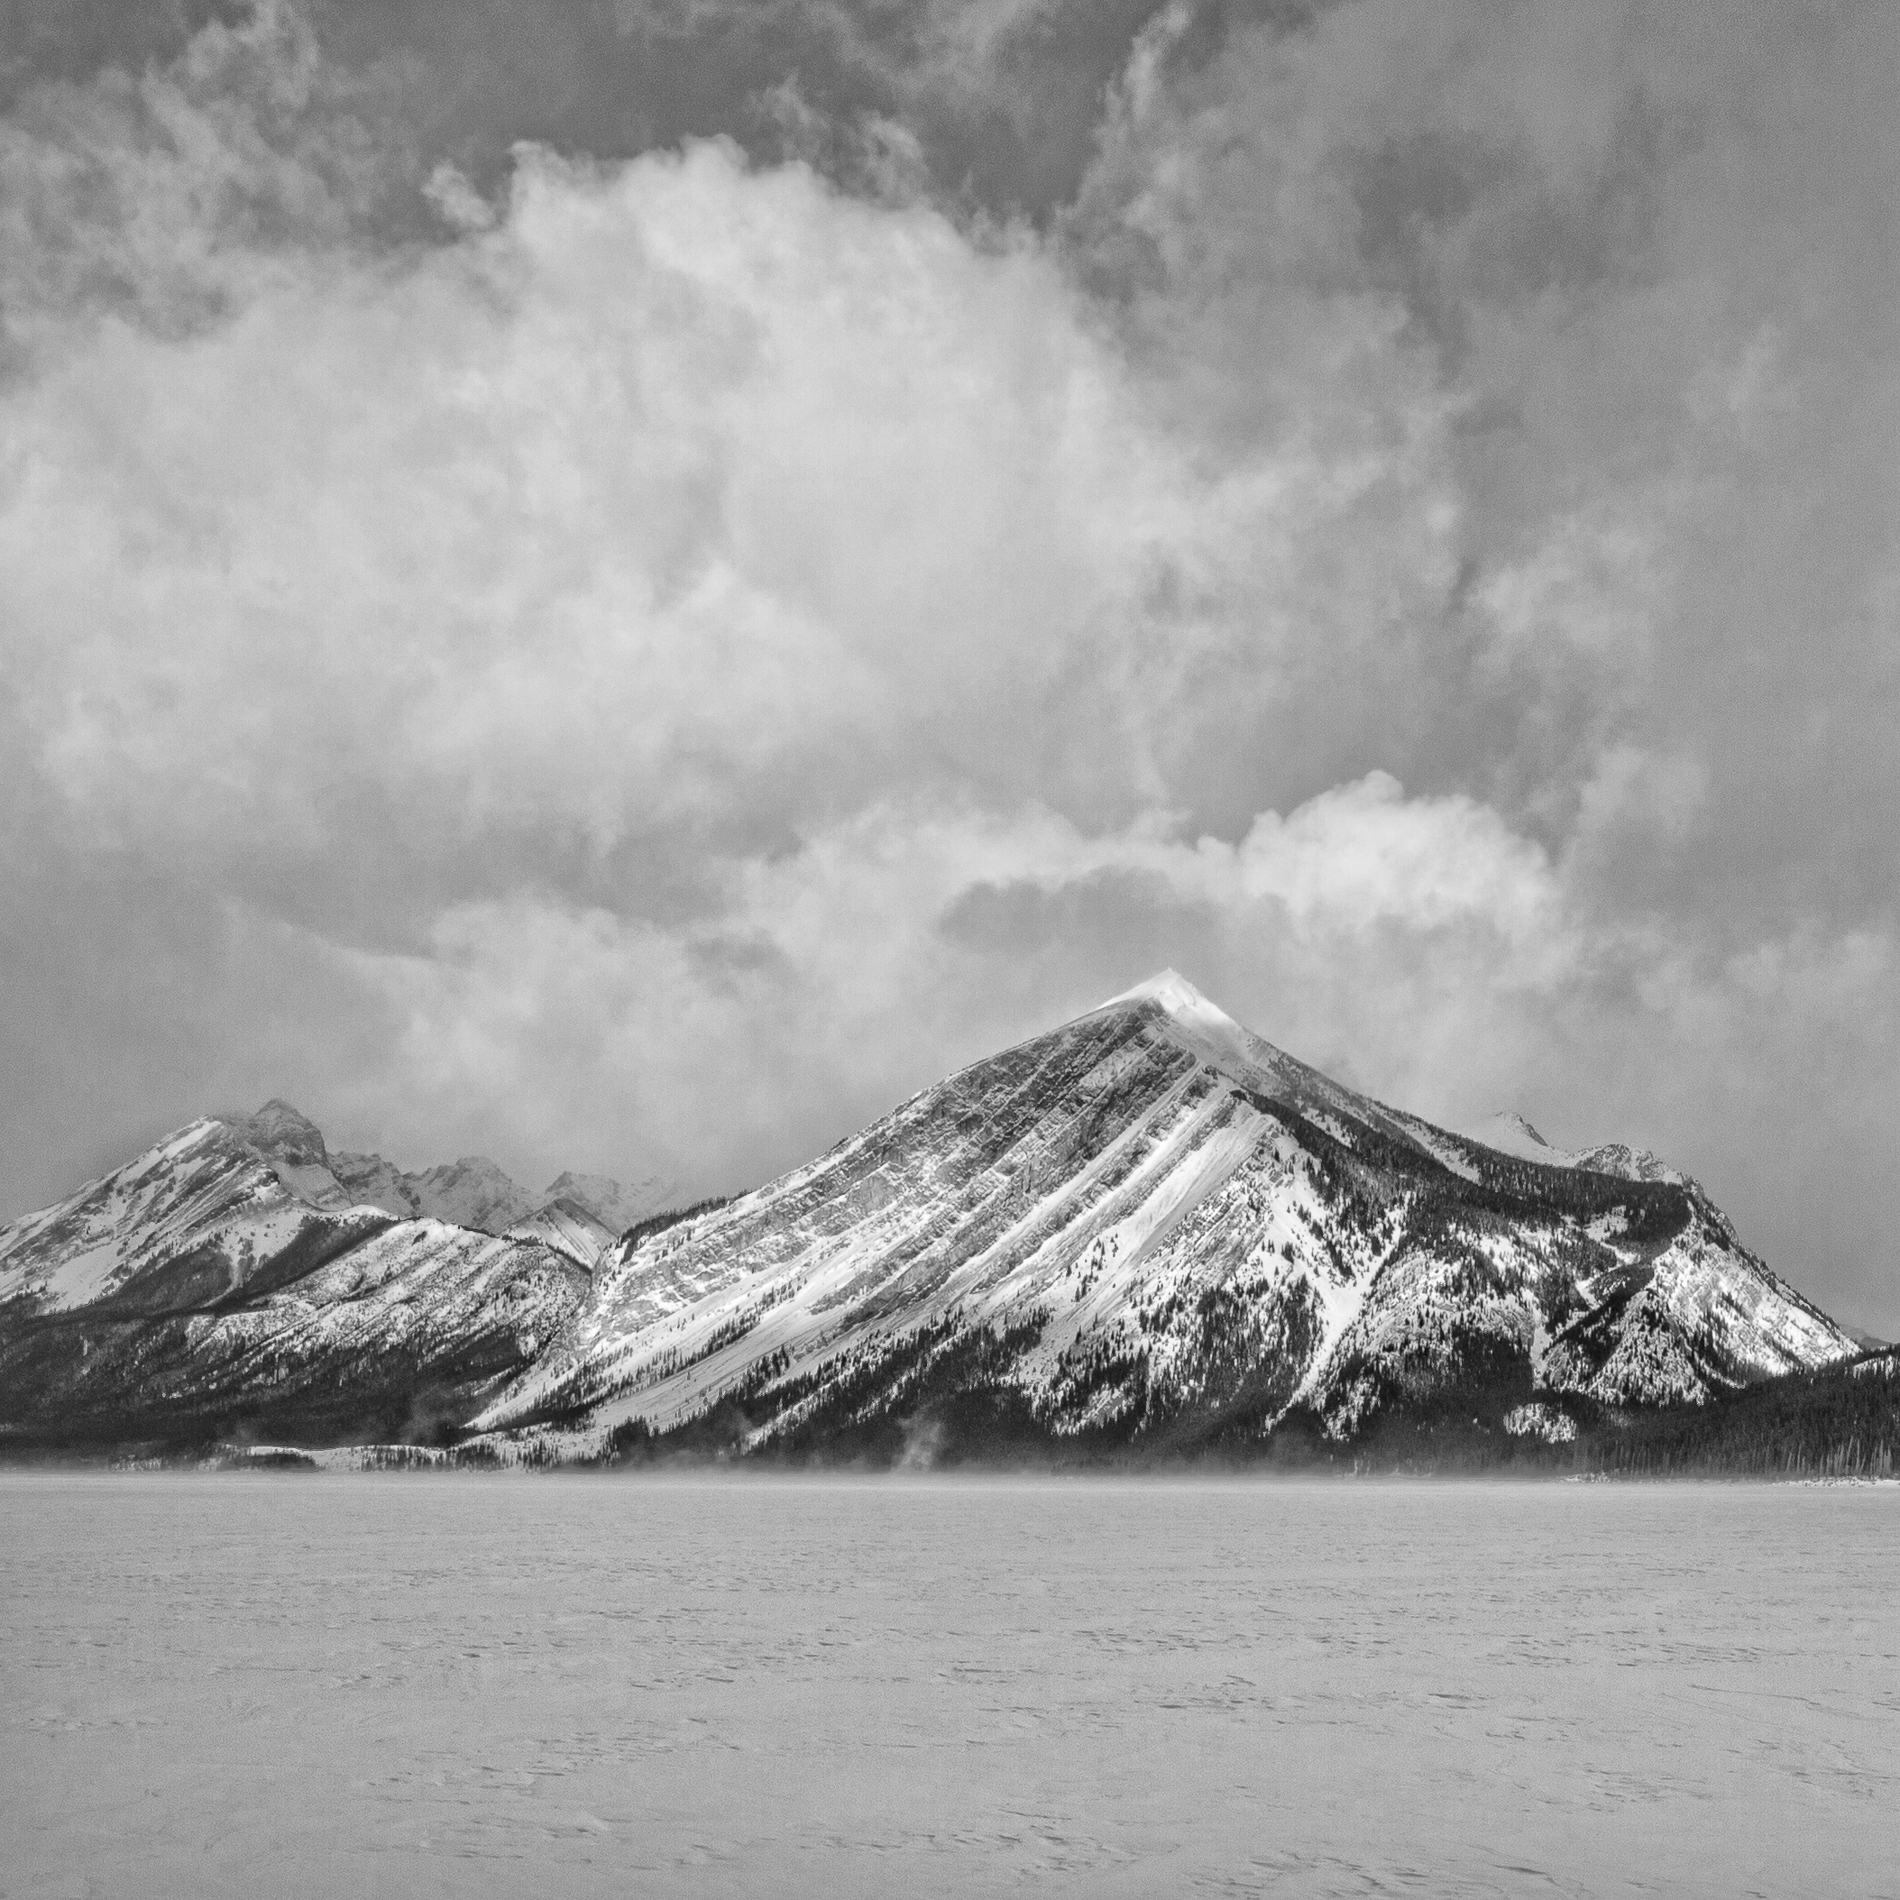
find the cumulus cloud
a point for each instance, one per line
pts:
(641, 666)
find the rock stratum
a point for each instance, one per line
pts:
(1148, 1230)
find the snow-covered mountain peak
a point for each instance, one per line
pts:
(1508, 1133)
(615, 1204)
(292, 1144)
(1150, 1219)
(1175, 994)
(472, 1191)
(278, 1117)
(1198, 1022)
(281, 1130)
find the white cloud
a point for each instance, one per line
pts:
(689, 486)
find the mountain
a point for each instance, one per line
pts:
(1510, 1134)
(472, 1192)
(1150, 1228)
(1147, 1231)
(616, 1205)
(238, 1272)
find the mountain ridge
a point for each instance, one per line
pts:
(471, 1191)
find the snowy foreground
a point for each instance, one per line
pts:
(459, 1685)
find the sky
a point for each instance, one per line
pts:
(623, 585)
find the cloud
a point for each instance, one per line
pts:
(641, 663)
(688, 508)
(161, 197)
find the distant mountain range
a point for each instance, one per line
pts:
(472, 1192)
(1145, 1233)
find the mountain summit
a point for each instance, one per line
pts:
(1147, 1228)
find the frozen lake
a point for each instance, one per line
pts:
(544, 1686)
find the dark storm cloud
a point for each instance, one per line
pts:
(634, 654)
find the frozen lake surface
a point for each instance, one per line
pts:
(544, 1686)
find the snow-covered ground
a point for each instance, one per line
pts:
(419, 1686)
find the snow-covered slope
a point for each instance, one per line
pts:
(471, 1192)
(203, 1216)
(568, 1226)
(1151, 1223)
(616, 1205)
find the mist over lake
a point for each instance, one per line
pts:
(311, 1685)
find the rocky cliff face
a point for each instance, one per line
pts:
(1152, 1226)
(1147, 1228)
